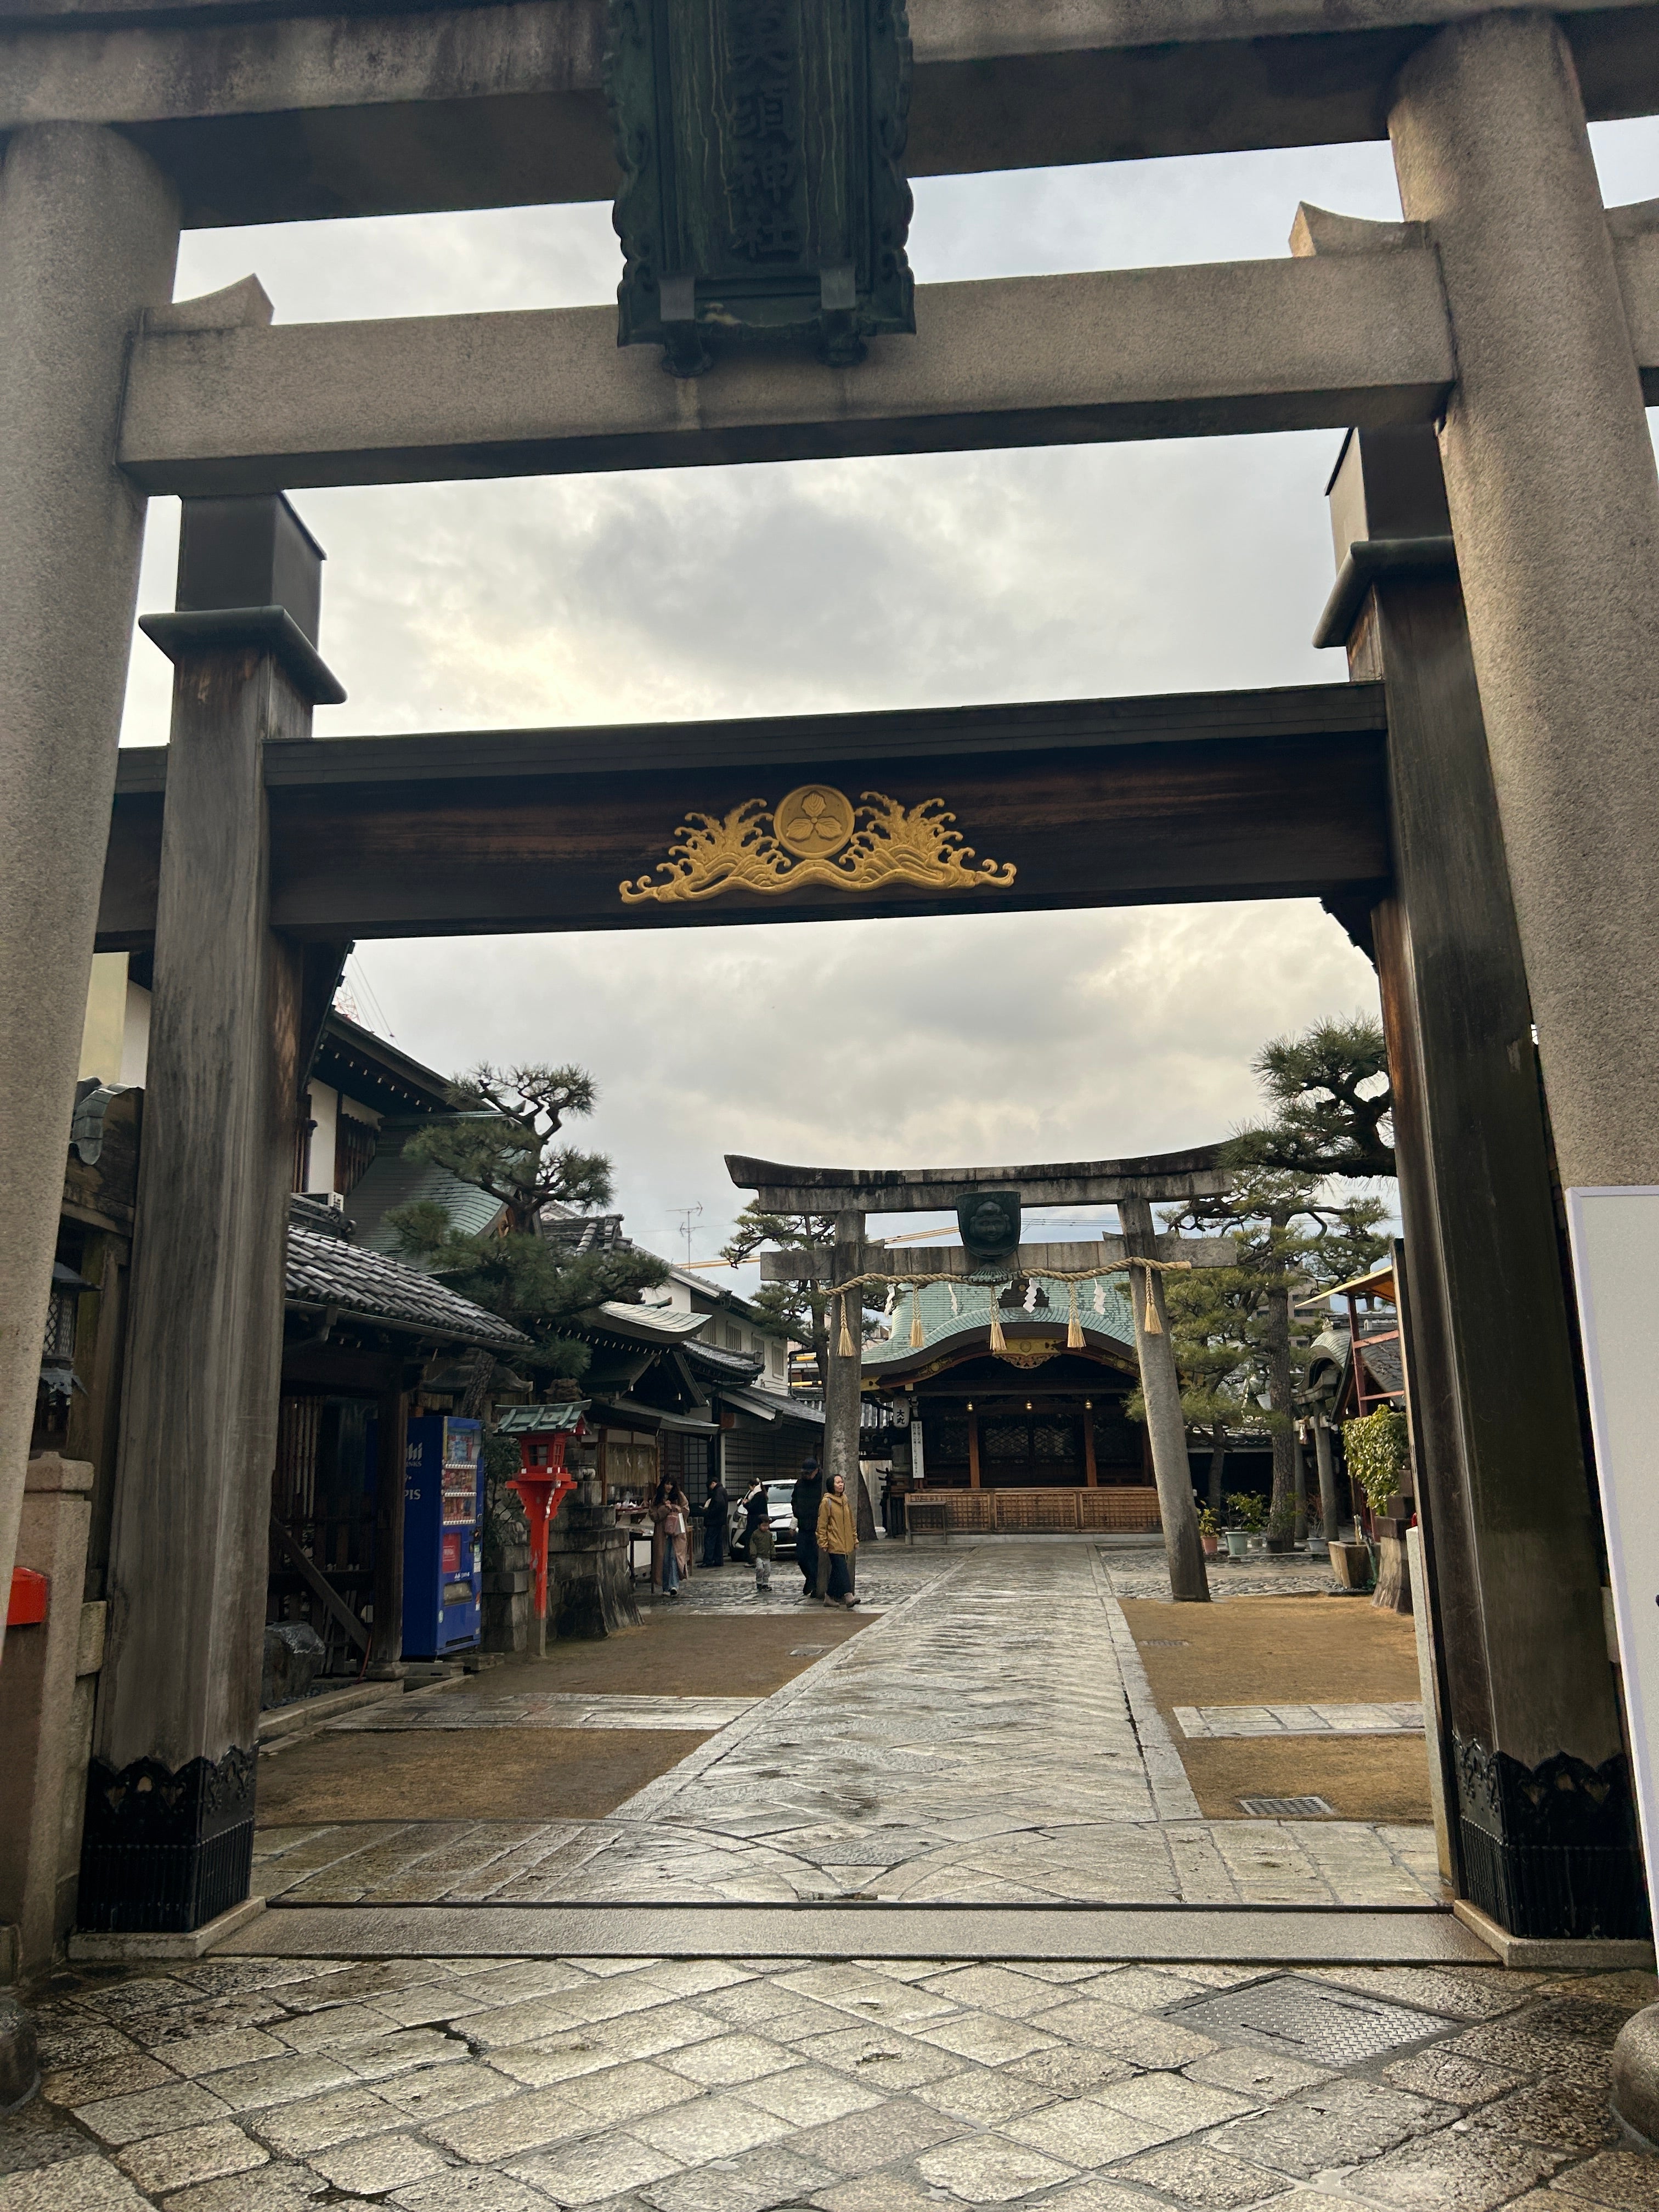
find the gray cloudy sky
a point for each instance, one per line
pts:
(874, 583)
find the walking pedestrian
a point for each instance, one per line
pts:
(715, 1507)
(757, 1534)
(671, 1537)
(838, 1544)
(804, 1500)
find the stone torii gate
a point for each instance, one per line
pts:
(848, 1195)
(1482, 803)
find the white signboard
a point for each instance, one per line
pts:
(1615, 1256)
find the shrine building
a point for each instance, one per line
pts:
(1032, 1435)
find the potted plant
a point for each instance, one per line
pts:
(1281, 1526)
(1209, 1530)
(1247, 1513)
(1378, 1449)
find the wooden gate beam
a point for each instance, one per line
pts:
(1238, 795)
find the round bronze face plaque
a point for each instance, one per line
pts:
(814, 820)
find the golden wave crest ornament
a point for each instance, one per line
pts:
(816, 836)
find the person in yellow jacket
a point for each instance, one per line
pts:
(838, 1544)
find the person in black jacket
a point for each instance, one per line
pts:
(804, 1500)
(715, 1507)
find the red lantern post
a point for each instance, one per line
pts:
(542, 1482)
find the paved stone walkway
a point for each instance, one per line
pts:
(990, 1741)
(1208, 1723)
(256, 2085)
(551, 1709)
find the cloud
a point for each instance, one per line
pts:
(837, 584)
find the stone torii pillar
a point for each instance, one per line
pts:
(1166, 1429)
(169, 1826)
(1554, 503)
(843, 1393)
(88, 236)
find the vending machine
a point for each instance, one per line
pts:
(443, 1536)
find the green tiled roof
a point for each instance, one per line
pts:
(947, 1324)
(540, 1421)
(391, 1179)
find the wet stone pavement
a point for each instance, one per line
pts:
(990, 1740)
(255, 2085)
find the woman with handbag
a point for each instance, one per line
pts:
(670, 1540)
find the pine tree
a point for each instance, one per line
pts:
(801, 1310)
(1291, 1239)
(501, 1138)
(1332, 1105)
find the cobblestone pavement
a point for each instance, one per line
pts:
(991, 1739)
(1143, 1573)
(887, 1574)
(693, 2086)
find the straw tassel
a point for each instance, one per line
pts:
(1073, 1324)
(999, 1342)
(918, 1334)
(1150, 1321)
(844, 1347)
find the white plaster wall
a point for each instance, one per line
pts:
(100, 1033)
(135, 1037)
(326, 1113)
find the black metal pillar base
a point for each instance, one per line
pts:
(1550, 1851)
(165, 1852)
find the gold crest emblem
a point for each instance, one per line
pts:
(816, 836)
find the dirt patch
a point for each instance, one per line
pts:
(466, 1774)
(536, 1774)
(1360, 1778)
(1275, 1651)
(682, 1654)
(1280, 1651)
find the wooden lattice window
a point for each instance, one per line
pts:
(354, 1148)
(294, 1480)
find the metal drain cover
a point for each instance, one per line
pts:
(1285, 1809)
(1327, 2027)
(1164, 1642)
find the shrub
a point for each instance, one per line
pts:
(1247, 1511)
(1378, 1449)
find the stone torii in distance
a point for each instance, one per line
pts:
(1133, 1186)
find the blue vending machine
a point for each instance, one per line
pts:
(443, 1513)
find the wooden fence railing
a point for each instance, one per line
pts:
(1116, 1508)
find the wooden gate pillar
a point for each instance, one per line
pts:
(169, 1829)
(1543, 1806)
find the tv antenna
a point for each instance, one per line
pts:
(688, 1214)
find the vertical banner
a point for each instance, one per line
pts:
(1615, 1234)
